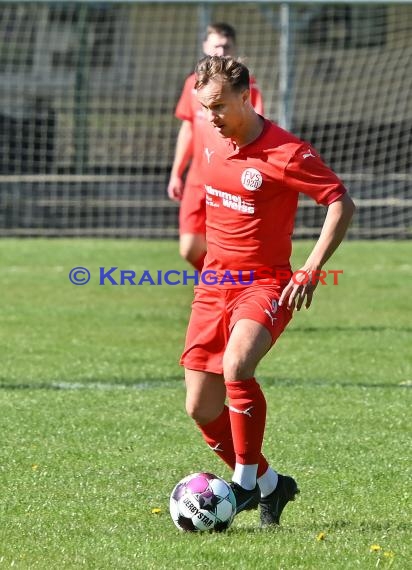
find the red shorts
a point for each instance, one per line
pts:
(216, 311)
(192, 214)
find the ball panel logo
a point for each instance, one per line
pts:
(251, 179)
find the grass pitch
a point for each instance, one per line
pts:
(94, 433)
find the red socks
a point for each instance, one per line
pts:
(218, 436)
(236, 436)
(247, 409)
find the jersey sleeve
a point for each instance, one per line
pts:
(184, 109)
(307, 173)
(256, 97)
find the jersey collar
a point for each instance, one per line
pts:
(255, 145)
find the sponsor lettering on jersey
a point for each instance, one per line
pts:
(232, 201)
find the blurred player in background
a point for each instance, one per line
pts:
(220, 39)
(253, 172)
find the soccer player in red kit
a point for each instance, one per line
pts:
(220, 39)
(253, 172)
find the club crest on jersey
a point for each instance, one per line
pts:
(251, 179)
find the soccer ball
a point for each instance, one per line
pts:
(202, 501)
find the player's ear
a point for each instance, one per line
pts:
(245, 95)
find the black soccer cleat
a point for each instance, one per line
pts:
(245, 500)
(271, 507)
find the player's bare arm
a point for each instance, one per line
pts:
(300, 289)
(183, 154)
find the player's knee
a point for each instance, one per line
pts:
(235, 367)
(194, 410)
(201, 412)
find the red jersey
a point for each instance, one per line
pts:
(189, 109)
(252, 196)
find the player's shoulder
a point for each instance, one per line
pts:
(276, 137)
(187, 88)
(295, 153)
(190, 81)
(185, 102)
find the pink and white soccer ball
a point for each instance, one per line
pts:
(202, 501)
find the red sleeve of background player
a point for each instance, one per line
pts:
(307, 173)
(184, 108)
(256, 97)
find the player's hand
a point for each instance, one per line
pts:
(175, 188)
(299, 291)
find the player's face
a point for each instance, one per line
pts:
(218, 45)
(224, 108)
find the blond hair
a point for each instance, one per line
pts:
(224, 68)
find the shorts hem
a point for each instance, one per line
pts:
(201, 368)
